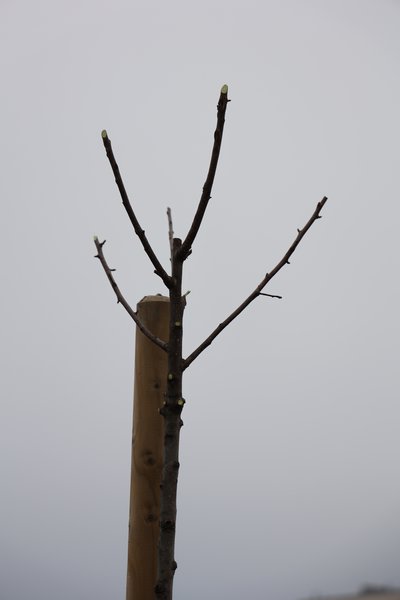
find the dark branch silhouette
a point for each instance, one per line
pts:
(120, 298)
(159, 270)
(206, 195)
(257, 291)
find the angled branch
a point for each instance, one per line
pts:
(120, 299)
(206, 195)
(159, 270)
(257, 292)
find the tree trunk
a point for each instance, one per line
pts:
(171, 412)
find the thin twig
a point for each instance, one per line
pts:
(285, 260)
(206, 195)
(270, 295)
(159, 270)
(120, 299)
(170, 230)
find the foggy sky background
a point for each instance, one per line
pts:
(289, 482)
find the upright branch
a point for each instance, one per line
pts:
(206, 195)
(158, 268)
(120, 298)
(257, 292)
(170, 232)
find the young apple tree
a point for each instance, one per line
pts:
(180, 250)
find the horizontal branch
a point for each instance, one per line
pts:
(120, 299)
(206, 195)
(159, 270)
(257, 292)
(270, 295)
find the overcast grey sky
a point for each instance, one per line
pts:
(292, 488)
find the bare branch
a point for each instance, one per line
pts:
(270, 295)
(257, 292)
(170, 230)
(206, 195)
(159, 270)
(120, 299)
